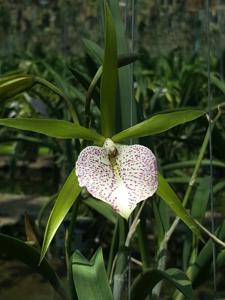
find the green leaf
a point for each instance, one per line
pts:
(15, 85)
(65, 200)
(200, 199)
(9, 76)
(126, 100)
(161, 217)
(109, 76)
(144, 283)
(85, 82)
(53, 128)
(143, 242)
(219, 83)
(200, 270)
(158, 123)
(94, 51)
(103, 208)
(90, 277)
(192, 163)
(123, 60)
(120, 273)
(58, 92)
(17, 249)
(165, 192)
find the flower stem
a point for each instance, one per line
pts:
(134, 225)
(113, 247)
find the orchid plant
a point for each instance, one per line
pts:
(118, 174)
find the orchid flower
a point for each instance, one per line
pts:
(119, 175)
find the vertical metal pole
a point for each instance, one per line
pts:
(210, 141)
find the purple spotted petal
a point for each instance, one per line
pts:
(130, 179)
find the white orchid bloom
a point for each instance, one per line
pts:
(119, 175)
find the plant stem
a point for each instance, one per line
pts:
(123, 60)
(212, 236)
(134, 225)
(194, 174)
(89, 95)
(168, 234)
(113, 248)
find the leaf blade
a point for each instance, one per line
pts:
(102, 208)
(18, 249)
(92, 275)
(127, 102)
(158, 124)
(167, 194)
(14, 85)
(109, 76)
(145, 282)
(70, 192)
(53, 128)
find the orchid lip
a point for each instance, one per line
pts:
(118, 174)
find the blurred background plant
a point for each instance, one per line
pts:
(45, 39)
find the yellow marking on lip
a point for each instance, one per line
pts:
(115, 167)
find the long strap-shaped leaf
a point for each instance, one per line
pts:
(17, 249)
(15, 84)
(53, 128)
(90, 277)
(65, 200)
(127, 104)
(109, 76)
(165, 192)
(158, 124)
(145, 282)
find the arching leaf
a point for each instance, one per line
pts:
(53, 128)
(63, 203)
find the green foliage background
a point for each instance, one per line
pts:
(45, 40)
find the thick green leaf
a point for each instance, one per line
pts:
(53, 128)
(109, 76)
(145, 282)
(90, 277)
(103, 208)
(165, 192)
(15, 85)
(17, 249)
(63, 203)
(158, 123)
